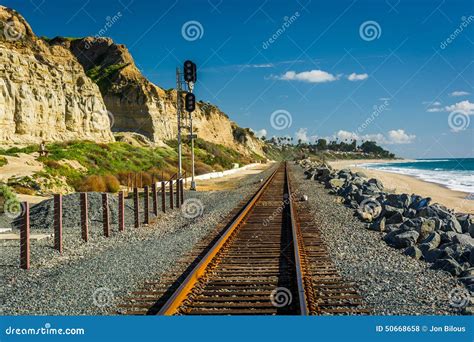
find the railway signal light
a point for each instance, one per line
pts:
(190, 102)
(190, 73)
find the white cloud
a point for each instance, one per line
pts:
(357, 77)
(260, 133)
(464, 107)
(400, 137)
(312, 76)
(302, 134)
(393, 137)
(343, 135)
(459, 93)
(435, 109)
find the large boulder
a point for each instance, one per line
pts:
(336, 183)
(413, 252)
(426, 228)
(395, 218)
(378, 225)
(448, 265)
(432, 240)
(402, 239)
(451, 224)
(376, 182)
(465, 240)
(399, 201)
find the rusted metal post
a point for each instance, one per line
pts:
(163, 196)
(171, 194)
(84, 217)
(146, 204)
(136, 207)
(105, 214)
(121, 212)
(58, 222)
(155, 198)
(25, 238)
(178, 193)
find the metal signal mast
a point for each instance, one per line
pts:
(190, 78)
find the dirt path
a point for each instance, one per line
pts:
(229, 182)
(21, 166)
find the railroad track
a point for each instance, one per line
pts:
(269, 260)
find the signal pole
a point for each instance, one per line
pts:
(190, 77)
(178, 109)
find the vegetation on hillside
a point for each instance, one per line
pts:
(3, 161)
(101, 75)
(103, 167)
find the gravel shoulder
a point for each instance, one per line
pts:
(78, 282)
(390, 282)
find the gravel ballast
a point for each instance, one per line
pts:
(89, 278)
(390, 282)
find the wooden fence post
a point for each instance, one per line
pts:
(84, 217)
(171, 194)
(25, 237)
(155, 199)
(178, 193)
(136, 207)
(58, 222)
(146, 204)
(121, 212)
(105, 214)
(163, 196)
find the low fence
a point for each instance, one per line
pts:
(157, 190)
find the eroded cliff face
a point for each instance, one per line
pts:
(44, 92)
(137, 105)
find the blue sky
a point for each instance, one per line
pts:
(397, 71)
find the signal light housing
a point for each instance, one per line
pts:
(190, 102)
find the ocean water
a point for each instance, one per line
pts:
(455, 174)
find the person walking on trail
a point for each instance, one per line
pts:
(42, 150)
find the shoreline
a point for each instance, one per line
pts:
(400, 183)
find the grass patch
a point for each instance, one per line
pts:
(3, 161)
(101, 75)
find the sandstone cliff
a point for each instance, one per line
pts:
(137, 105)
(44, 92)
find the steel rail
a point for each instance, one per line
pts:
(174, 302)
(303, 303)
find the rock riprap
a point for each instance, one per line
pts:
(425, 231)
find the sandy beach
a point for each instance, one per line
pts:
(406, 184)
